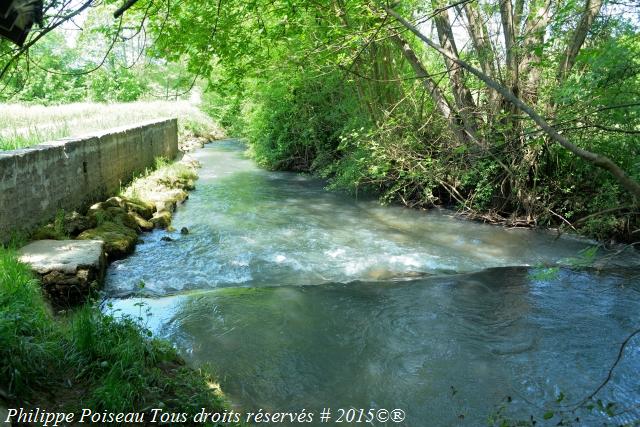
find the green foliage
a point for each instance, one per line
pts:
(599, 111)
(584, 258)
(296, 123)
(107, 62)
(54, 231)
(315, 124)
(123, 85)
(161, 162)
(29, 348)
(227, 109)
(391, 159)
(479, 180)
(544, 274)
(51, 79)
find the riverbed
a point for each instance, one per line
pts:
(298, 297)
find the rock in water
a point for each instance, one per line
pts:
(69, 269)
(184, 230)
(161, 219)
(119, 240)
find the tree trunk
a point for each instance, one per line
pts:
(462, 95)
(482, 45)
(601, 161)
(591, 11)
(534, 28)
(441, 103)
(508, 32)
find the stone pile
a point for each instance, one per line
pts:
(71, 253)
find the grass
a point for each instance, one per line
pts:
(86, 358)
(27, 125)
(158, 180)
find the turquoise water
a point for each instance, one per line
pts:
(302, 298)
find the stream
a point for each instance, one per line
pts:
(298, 297)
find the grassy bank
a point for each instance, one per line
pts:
(87, 359)
(26, 125)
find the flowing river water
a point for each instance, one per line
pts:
(302, 298)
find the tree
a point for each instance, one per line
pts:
(521, 111)
(630, 184)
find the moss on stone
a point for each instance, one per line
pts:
(141, 207)
(142, 223)
(114, 202)
(48, 232)
(74, 223)
(119, 240)
(161, 219)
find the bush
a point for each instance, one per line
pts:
(296, 124)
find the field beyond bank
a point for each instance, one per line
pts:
(23, 125)
(86, 357)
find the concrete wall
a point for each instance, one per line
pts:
(73, 173)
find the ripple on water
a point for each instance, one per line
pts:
(452, 343)
(438, 347)
(251, 227)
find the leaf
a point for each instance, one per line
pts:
(548, 415)
(460, 149)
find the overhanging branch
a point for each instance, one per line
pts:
(628, 183)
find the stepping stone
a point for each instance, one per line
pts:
(70, 270)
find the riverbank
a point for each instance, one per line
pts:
(86, 359)
(68, 359)
(406, 154)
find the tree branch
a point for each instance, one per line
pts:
(599, 160)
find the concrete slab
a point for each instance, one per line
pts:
(67, 256)
(69, 269)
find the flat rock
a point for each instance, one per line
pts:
(69, 269)
(66, 256)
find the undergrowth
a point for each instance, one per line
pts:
(86, 358)
(405, 152)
